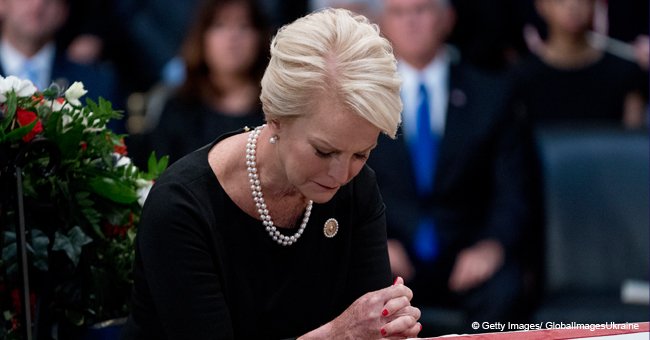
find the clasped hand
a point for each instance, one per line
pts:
(382, 314)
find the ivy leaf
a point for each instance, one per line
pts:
(9, 253)
(72, 243)
(40, 241)
(37, 250)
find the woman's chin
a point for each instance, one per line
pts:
(322, 196)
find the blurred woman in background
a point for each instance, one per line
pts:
(567, 78)
(225, 54)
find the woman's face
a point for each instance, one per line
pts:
(570, 16)
(324, 149)
(231, 42)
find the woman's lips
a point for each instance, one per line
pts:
(326, 187)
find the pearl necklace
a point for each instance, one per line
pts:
(256, 190)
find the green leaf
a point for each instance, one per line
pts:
(40, 242)
(93, 217)
(152, 162)
(114, 190)
(11, 109)
(83, 199)
(71, 243)
(9, 253)
(18, 133)
(162, 165)
(10, 237)
(69, 142)
(54, 124)
(75, 317)
(51, 93)
(156, 167)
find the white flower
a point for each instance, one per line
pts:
(66, 119)
(144, 186)
(22, 87)
(121, 160)
(74, 92)
(54, 105)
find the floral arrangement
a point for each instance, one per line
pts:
(82, 203)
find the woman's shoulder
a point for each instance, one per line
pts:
(361, 191)
(194, 168)
(618, 64)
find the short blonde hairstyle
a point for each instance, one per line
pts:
(333, 53)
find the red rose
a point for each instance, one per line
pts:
(25, 118)
(15, 300)
(120, 148)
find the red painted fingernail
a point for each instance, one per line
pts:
(384, 312)
(383, 332)
(395, 282)
(420, 327)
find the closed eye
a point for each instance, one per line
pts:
(362, 157)
(323, 154)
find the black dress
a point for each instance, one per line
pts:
(206, 270)
(186, 125)
(593, 92)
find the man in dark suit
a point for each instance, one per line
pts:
(28, 50)
(454, 180)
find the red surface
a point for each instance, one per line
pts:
(562, 331)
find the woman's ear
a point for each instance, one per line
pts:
(274, 124)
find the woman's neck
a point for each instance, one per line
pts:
(568, 51)
(275, 183)
(285, 203)
(238, 96)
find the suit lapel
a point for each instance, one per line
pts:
(451, 145)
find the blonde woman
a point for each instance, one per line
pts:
(279, 231)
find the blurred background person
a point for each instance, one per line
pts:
(487, 32)
(367, 8)
(29, 50)
(454, 182)
(147, 35)
(567, 78)
(225, 54)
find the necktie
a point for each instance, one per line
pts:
(424, 154)
(425, 146)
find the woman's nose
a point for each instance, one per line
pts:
(340, 170)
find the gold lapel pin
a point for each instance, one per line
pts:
(331, 228)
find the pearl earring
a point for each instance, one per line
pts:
(273, 139)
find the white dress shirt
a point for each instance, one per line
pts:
(13, 62)
(435, 76)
